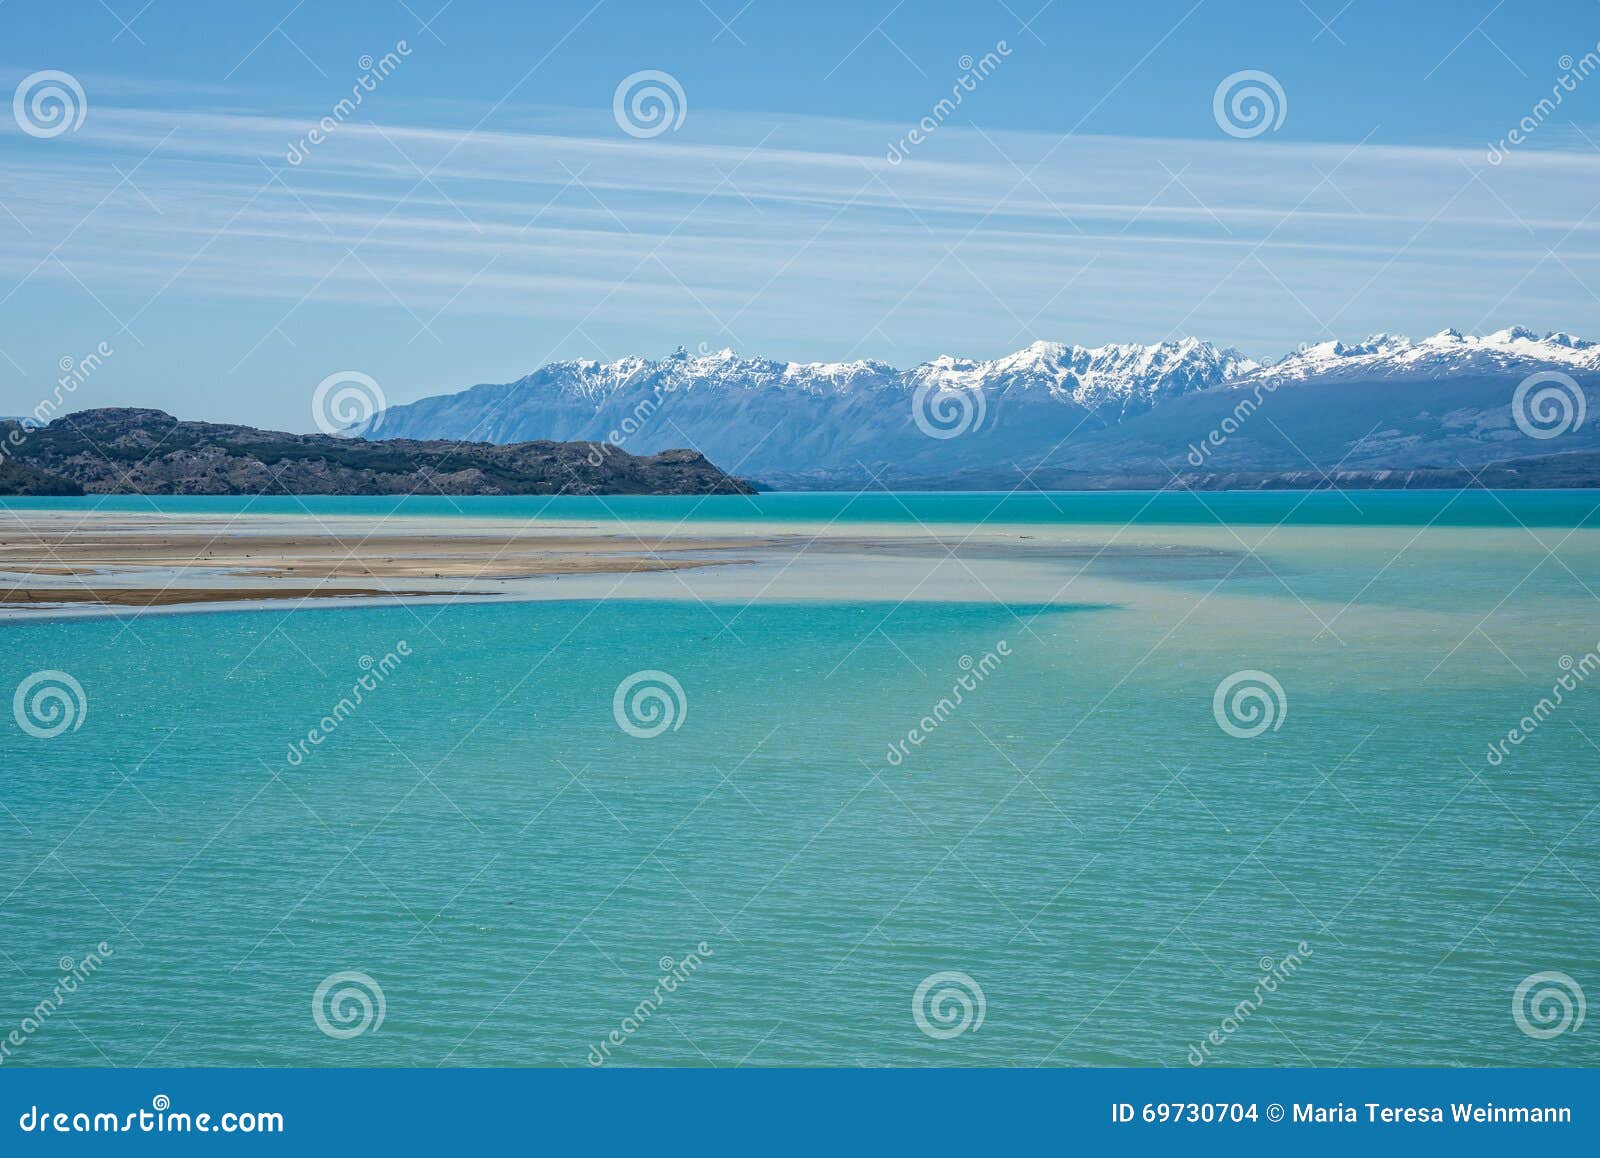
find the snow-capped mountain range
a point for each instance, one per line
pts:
(1445, 353)
(1109, 407)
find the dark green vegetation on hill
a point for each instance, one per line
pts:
(136, 451)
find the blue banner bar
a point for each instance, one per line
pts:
(707, 1112)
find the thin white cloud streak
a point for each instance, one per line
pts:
(961, 172)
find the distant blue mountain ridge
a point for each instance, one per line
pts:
(1388, 403)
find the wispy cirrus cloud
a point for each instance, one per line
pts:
(795, 237)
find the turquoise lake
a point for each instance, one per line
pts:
(1111, 869)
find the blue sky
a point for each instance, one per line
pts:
(483, 211)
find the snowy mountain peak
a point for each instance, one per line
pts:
(1513, 334)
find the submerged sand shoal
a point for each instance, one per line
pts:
(68, 562)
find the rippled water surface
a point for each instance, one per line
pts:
(1079, 836)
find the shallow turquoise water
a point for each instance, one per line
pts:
(1561, 508)
(1079, 836)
